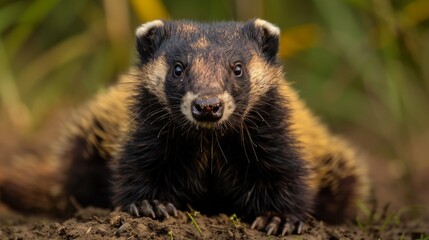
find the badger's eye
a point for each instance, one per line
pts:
(238, 70)
(178, 70)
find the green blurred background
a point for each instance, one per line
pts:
(362, 65)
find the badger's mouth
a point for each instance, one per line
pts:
(207, 111)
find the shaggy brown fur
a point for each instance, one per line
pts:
(138, 146)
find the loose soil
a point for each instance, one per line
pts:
(92, 223)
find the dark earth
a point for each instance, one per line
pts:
(394, 218)
(92, 223)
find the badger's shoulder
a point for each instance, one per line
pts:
(337, 169)
(102, 123)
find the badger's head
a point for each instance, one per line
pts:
(208, 75)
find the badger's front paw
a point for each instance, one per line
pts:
(274, 224)
(152, 208)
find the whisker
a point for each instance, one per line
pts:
(251, 121)
(220, 148)
(211, 154)
(243, 143)
(166, 142)
(162, 117)
(201, 142)
(168, 122)
(140, 112)
(252, 144)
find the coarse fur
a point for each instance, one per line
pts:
(268, 157)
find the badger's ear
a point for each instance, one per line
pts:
(149, 37)
(266, 35)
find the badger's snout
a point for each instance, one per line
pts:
(207, 109)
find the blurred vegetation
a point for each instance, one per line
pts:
(362, 65)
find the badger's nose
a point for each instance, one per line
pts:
(207, 109)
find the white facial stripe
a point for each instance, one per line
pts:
(262, 77)
(155, 79)
(229, 105)
(186, 105)
(271, 28)
(146, 27)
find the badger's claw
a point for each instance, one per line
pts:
(272, 223)
(153, 209)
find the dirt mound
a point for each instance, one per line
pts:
(92, 223)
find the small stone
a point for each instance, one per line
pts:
(116, 221)
(230, 233)
(123, 228)
(61, 230)
(141, 227)
(101, 231)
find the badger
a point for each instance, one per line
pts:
(205, 119)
